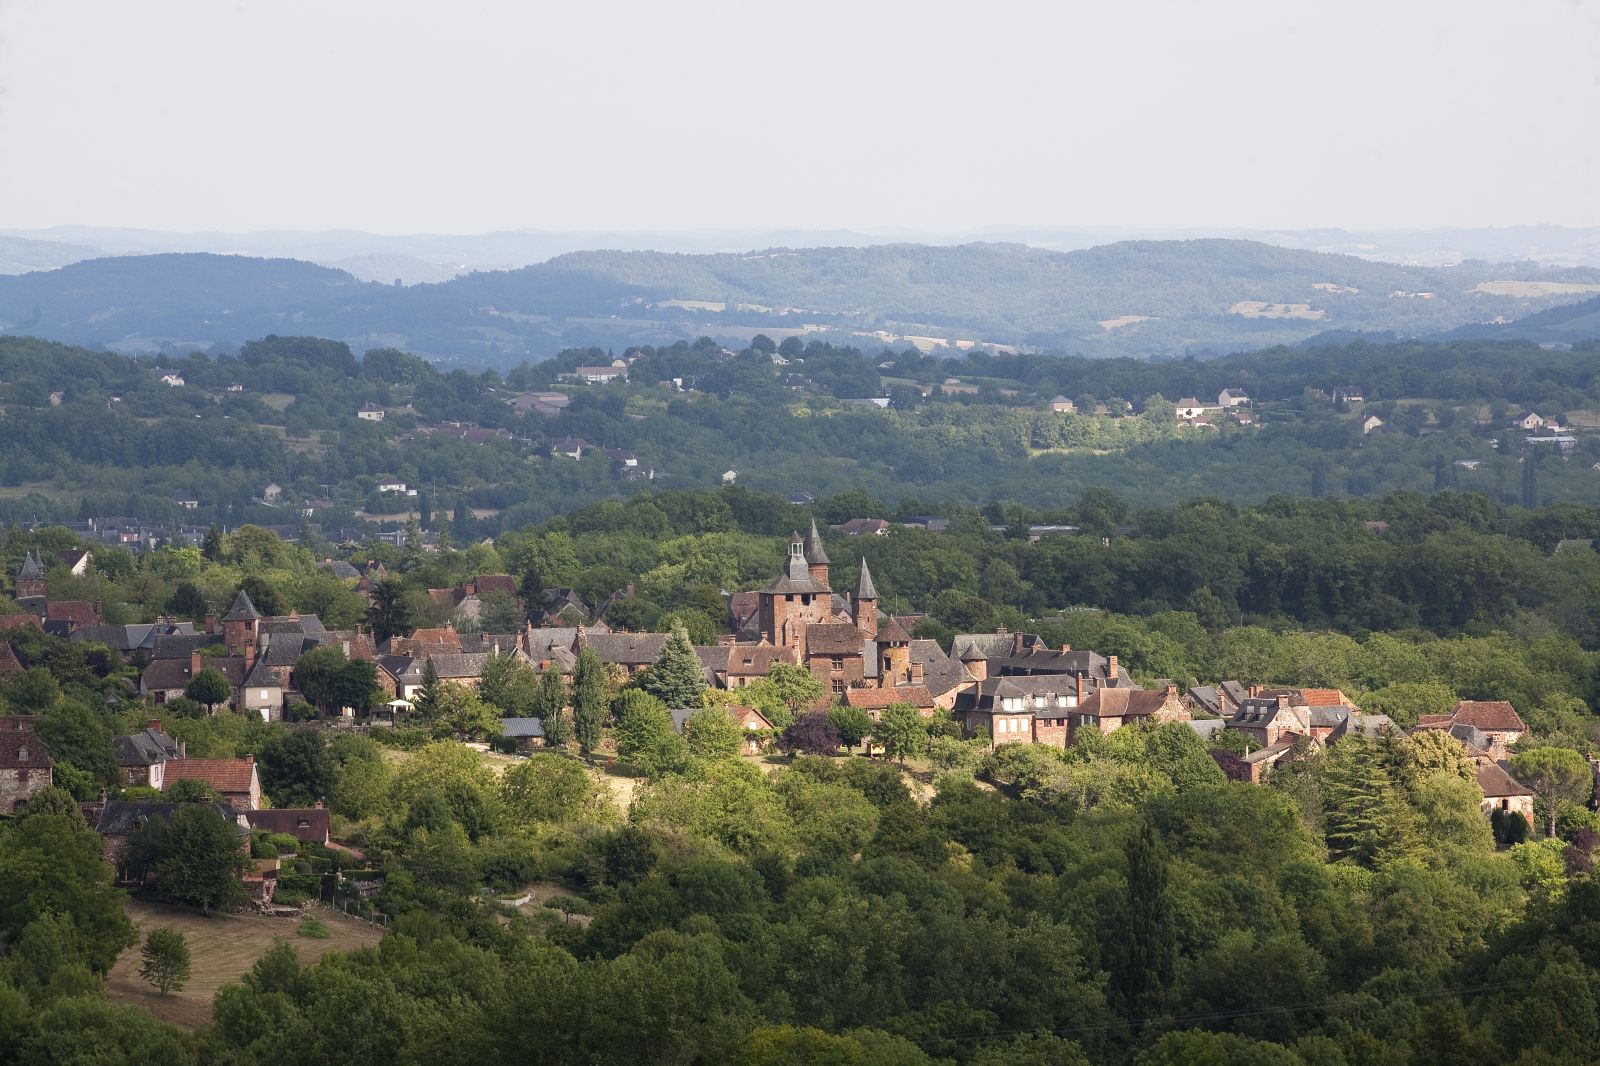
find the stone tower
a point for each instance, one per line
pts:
(795, 600)
(241, 626)
(865, 606)
(30, 579)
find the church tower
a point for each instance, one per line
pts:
(30, 579)
(816, 558)
(795, 600)
(865, 606)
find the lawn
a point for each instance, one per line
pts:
(222, 948)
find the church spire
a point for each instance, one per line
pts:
(864, 586)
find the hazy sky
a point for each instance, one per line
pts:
(413, 115)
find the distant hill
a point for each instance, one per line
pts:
(1567, 324)
(1161, 299)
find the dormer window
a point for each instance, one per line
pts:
(22, 754)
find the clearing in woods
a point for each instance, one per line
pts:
(222, 948)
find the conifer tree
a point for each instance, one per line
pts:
(1143, 952)
(1362, 819)
(588, 699)
(676, 678)
(428, 696)
(550, 705)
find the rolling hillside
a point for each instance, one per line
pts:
(1160, 299)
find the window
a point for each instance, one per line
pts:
(836, 662)
(838, 685)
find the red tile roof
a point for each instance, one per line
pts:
(224, 775)
(8, 661)
(876, 699)
(17, 621)
(1325, 697)
(79, 612)
(1497, 715)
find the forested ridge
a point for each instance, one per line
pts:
(77, 420)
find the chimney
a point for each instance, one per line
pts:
(1080, 687)
(194, 662)
(916, 673)
(249, 655)
(1111, 667)
(1172, 690)
(251, 759)
(1283, 701)
(211, 623)
(1065, 648)
(154, 725)
(1253, 690)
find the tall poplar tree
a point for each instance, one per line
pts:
(588, 699)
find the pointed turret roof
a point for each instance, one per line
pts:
(864, 586)
(242, 610)
(814, 553)
(32, 569)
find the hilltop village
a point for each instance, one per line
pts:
(827, 652)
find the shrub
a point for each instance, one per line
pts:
(314, 929)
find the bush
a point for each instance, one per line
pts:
(314, 929)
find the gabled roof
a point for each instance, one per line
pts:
(242, 610)
(833, 638)
(517, 728)
(78, 612)
(1497, 784)
(463, 665)
(14, 745)
(224, 775)
(118, 818)
(1122, 703)
(9, 663)
(144, 748)
(308, 824)
(628, 649)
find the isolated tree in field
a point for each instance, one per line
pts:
(164, 960)
(676, 678)
(208, 687)
(588, 699)
(550, 707)
(852, 724)
(1557, 776)
(902, 731)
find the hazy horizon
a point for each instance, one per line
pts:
(408, 118)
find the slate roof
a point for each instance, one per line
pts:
(519, 728)
(1206, 728)
(464, 665)
(242, 610)
(982, 696)
(1497, 784)
(796, 580)
(182, 645)
(291, 624)
(403, 668)
(627, 649)
(31, 570)
(865, 589)
(224, 775)
(118, 818)
(833, 638)
(341, 569)
(748, 660)
(165, 675)
(969, 646)
(940, 673)
(813, 550)
(144, 748)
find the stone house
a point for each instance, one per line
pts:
(142, 757)
(1496, 720)
(1503, 792)
(309, 825)
(1106, 710)
(26, 768)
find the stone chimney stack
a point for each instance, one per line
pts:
(1111, 667)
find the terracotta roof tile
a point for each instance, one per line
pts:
(224, 775)
(876, 699)
(1495, 715)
